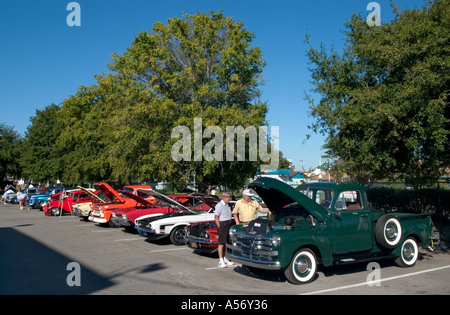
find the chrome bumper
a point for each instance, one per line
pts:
(257, 259)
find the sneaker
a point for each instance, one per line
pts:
(227, 262)
(222, 264)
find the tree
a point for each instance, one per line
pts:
(37, 150)
(198, 66)
(385, 101)
(10, 144)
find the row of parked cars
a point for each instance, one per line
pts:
(138, 208)
(310, 225)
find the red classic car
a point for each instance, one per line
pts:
(64, 201)
(125, 217)
(101, 212)
(202, 236)
(163, 204)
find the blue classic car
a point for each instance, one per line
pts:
(37, 200)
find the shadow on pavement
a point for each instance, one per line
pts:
(29, 267)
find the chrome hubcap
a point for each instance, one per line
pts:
(303, 265)
(391, 231)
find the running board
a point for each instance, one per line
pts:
(356, 258)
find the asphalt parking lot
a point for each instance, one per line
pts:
(63, 255)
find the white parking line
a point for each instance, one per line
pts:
(167, 250)
(212, 268)
(375, 282)
(217, 267)
(128, 239)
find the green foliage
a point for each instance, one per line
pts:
(119, 130)
(413, 201)
(385, 101)
(37, 151)
(10, 145)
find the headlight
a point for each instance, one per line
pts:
(276, 241)
(205, 235)
(232, 232)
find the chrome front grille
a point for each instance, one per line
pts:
(250, 244)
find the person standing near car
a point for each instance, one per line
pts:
(21, 198)
(246, 209)
(224, 221)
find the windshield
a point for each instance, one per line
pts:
(199, 208)
(322, 196)
(103, 196)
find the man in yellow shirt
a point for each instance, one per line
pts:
(246, 209)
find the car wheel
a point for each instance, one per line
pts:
(388, 231)
(55, 211)
(409, 253)
(37, 204)
(303, 267)
(178, 236)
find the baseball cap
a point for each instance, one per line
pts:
(247, 192)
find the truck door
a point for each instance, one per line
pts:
(351, 223)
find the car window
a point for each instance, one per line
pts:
(349, 200)
(322, 196)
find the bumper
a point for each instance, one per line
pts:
(151, 234)
(122, 222)
(202, 245)
(257, 259)
(99, 220)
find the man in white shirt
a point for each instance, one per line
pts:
(224, 221)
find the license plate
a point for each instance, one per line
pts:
(194, 244)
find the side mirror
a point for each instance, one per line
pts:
(338, 213)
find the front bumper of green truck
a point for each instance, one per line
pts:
(254, 251)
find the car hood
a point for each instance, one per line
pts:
(110, 193)
(91, 194)
(209, 200)
(136, 198)
(38, 195)
(277, 194)
(174, 218)
(163, 198)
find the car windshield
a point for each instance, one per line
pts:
(103, 197)
(199, 208)
(322, 196)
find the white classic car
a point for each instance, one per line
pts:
(172, 225)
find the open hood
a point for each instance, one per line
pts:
(136, 198)
(209, 200)
(91, 194)
(110, 193)
(163, 198)
(277, 194)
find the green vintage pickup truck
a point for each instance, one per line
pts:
(324, 223)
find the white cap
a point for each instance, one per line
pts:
(247, 192)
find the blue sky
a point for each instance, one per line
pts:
(44, 61)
